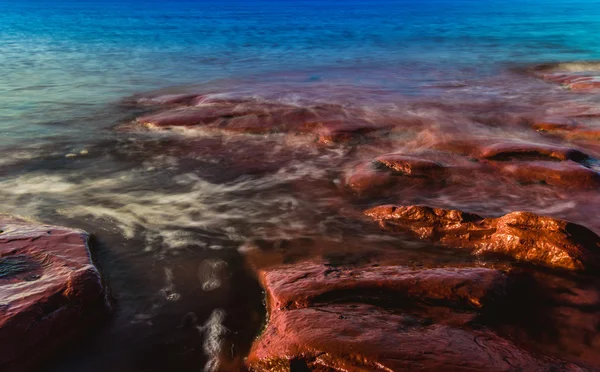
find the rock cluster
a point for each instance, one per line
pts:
(526, 298)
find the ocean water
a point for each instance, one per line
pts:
(62, 60)
(171, 231)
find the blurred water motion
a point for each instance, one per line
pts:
(175, 208)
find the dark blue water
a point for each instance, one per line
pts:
(163, 224)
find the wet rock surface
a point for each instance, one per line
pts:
(579, 77)
(565, 174)
(519, 235)
(50, 291)
(396, 297)
(327, 317)
(328, 123)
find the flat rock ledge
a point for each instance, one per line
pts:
(385, 318)
(521, 236)
(50, 291)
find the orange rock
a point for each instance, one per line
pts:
(49, 290)
(519, 235)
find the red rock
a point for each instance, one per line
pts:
(191, 116)
(519, 235)
(358, 337)
(530, 151)
(366, 180)
(322, 318)
(304, 284)
(50, 291)
(564, 174)
(330, 123)
(409, 165)
(556, 314)
(391, 170)
(343, 131)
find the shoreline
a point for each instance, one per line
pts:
(177, 205)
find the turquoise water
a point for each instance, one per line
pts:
(167, 208)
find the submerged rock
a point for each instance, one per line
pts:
(576, 76)
(531, 151)
(50, 290)
(391, 170)
(549, 124)
(564, 174)
(519, 235)
(329, 123)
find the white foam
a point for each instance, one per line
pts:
(214, 332)
(211, 273)
(169, 291)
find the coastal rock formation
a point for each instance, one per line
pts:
(328, 318)
(518, 235)
(330, 123)
(49, 290)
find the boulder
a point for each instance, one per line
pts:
(389, 318)
(50, 290)
(521, 236)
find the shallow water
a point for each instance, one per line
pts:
(173, 211)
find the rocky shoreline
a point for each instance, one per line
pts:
(518, 291)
